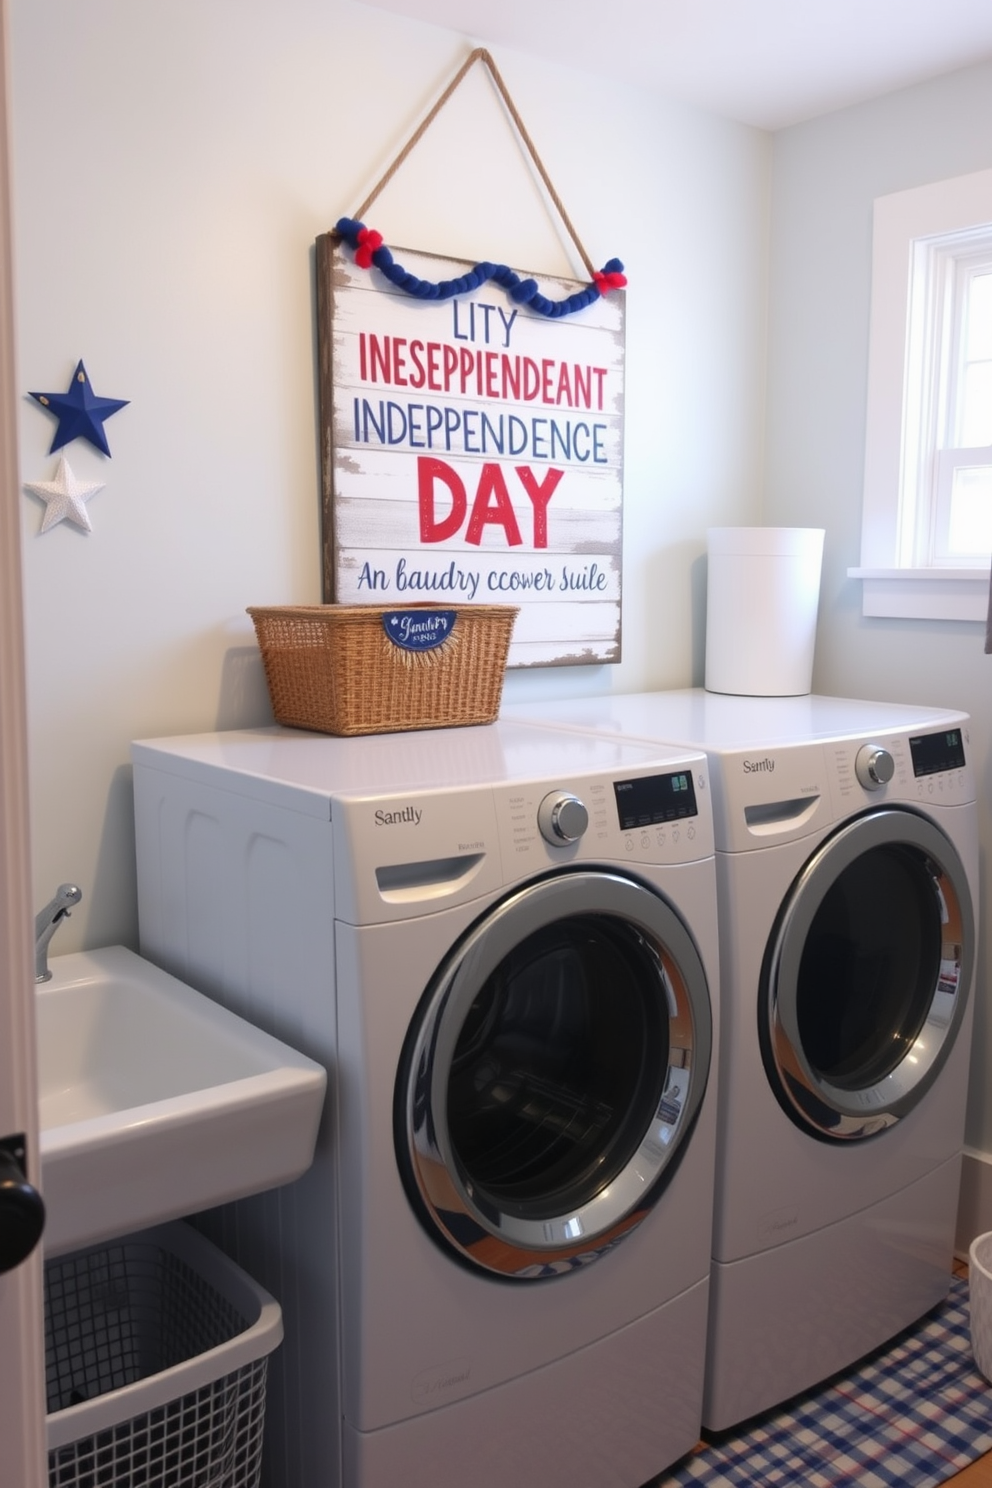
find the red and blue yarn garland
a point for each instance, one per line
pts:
(370, 249)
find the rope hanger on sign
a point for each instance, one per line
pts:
(369, 248)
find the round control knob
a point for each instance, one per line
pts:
(874, 766)
(562, 818)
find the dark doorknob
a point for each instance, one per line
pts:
(22, 1211)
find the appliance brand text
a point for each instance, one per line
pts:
(394, 818)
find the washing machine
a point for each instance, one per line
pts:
(847, 863)
(501, 942)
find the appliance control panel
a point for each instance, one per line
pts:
(652, 816)
(930, 767)
(784, 792)
(397, 855)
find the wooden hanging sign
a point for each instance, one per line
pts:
(472, 452)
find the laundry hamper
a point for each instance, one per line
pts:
(980, 1301)
(156, 1353)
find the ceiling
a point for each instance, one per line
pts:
(769, 63)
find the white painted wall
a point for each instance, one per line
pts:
(173, 164)
(826, 175)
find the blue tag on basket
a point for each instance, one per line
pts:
(419, 630)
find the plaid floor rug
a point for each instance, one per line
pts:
(910, 1416)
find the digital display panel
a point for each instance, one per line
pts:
(933, 753)
(654, 799)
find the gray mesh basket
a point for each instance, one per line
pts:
(156, 1351)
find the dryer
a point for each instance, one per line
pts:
(847, 864)
(501, 942)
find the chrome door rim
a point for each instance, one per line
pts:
(479, 1232)
(871, 1109)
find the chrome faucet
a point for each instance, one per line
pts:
(47, 921)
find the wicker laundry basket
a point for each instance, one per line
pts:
(368, 669)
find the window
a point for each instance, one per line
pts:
(946, 482)
(927, 524)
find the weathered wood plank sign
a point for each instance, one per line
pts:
(472, 452)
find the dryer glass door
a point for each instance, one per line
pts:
(866, 976)
(553, 1074)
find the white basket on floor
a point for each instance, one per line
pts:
(980, 1297)
(156, 1353)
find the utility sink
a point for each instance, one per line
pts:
(157, 1102)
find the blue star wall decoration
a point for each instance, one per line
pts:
(80, 412)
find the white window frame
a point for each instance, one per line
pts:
(896, 582)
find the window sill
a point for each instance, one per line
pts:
(924, 593)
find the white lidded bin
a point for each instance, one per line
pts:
(980, 1298)
(762, 595)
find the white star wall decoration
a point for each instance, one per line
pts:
(65, 497)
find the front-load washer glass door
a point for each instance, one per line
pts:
(552, 1075)
(866, 975)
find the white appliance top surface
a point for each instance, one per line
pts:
(427, 759)
(718, 721)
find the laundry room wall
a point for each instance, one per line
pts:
(826, 174)
(173, 163)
